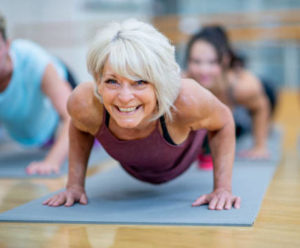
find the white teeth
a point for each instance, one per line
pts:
(127, 109)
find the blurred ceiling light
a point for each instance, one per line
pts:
(189, 25)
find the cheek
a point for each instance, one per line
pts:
(151, 100)
(213, 70)
(216, 71)
(193, 67)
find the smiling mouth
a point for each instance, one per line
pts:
(128, 110)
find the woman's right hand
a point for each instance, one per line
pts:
(68, 197)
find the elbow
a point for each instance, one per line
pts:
(228, 120)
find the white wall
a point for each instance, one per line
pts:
(65, 27)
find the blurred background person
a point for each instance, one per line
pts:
(212, 62)
(34, 88)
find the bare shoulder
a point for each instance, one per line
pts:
(192, 94)
(85, 109)
(247, 86)
(193, 102)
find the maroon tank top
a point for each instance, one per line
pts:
(152, 159)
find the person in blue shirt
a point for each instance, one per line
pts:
(33, 97)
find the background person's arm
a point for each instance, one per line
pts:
(250, 94)
(58, 92)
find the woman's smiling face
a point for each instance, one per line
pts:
(203, 65)
(131, 103)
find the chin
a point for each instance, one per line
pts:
(207, 84)
(127, 124)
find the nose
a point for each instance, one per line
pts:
(203, 68)
(126, 93)
(198, 68)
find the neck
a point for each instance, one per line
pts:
(132, 133)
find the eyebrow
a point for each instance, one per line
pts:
(109, 74)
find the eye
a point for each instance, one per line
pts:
(195, 61)
(213, 61)
(111, 81)
(141, 82)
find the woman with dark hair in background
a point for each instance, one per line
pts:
(212, 62)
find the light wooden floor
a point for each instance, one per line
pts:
(277, 225)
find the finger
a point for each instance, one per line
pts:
(52, 200)
(45, 170)
(213, 203)
(200, 201)
(237, 202)
(46, 201)
(61, 199)
(228, 204)
(48, 170)
(30, 168)
(83, 199)
(220, 203)
(39, 170)
(70, 201)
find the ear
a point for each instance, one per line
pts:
(98, 91)
(225, 61)
(99, 85)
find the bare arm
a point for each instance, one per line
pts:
(58, 92)
(251, 95)
(209, 113)
(86, 119)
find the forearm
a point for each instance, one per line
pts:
(222, 144)
(260, 118)
(59, 150)
(80, 147)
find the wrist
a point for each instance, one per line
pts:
(222, 187)
(74, 186)
(58, 160)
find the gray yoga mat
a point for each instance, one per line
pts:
(117, 198)
(14, 161)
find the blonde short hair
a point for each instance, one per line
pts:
(134, 50)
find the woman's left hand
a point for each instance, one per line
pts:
(255, 153)
(42, 167)
(219, 199)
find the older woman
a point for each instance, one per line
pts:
(145, 116)
(213, 64)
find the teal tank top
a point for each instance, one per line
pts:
(26, 112)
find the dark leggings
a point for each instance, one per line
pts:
(271, 92)
(70, 78)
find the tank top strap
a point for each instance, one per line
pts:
(166, 134)
(106, 117)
